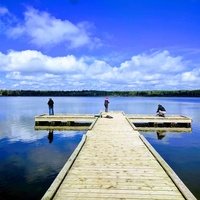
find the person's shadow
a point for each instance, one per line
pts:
(50, 136)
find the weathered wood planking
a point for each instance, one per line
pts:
(157, 119)
(64, 122)
(149, 122)
(165, 129)
(115, 163)
(64, 118)
(142, 122)
(62, 128)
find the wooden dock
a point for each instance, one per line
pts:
(169, 121)
(112, 162)
(141, 122)
(64, 122)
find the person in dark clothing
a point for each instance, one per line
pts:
(50, 103)
(161, 111)
(106, 102)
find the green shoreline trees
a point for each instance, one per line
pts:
(96, 93)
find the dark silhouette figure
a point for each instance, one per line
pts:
(51, 103)
(108, 116)
(106, 102)
(50, 136)
(160, 135)
(161, 111)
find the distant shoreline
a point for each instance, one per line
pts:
(99, 93)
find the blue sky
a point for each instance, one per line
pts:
(100, 44)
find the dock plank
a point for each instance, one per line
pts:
(114, 163)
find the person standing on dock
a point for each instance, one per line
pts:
(50, 103)
(161, 111)
(106, 102)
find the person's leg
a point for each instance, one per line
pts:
(162, 113)
(49, 111)
(106, 109)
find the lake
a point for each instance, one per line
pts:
(30, 160)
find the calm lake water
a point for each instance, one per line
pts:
(30, 160)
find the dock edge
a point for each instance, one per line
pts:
(174, 177)
(60, 177)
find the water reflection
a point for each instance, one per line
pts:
(25, 164)
(50, 136)
(164, 137)
(160, 134)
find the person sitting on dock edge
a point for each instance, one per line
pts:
(50, 103)
(161, 111)
(106, 102)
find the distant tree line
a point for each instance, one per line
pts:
(96, 93)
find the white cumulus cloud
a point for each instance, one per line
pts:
(32, 69)
(44, 30)
(159, 61)
(35, 61)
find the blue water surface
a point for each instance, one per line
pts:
(30, 160)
